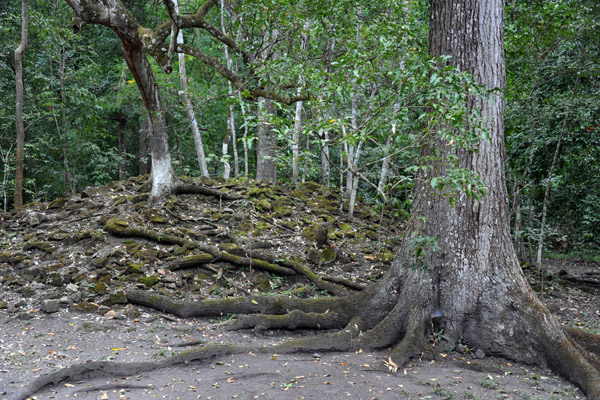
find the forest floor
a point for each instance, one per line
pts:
(64, 272)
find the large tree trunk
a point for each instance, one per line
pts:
(474, 283)
(18, 196)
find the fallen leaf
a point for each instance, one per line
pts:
(69, 385)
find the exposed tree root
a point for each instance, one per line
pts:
(239, 305)
(213, 254)
(121, 228)
(345, 282)
(293, 320)
(301, 269)
(184, 188)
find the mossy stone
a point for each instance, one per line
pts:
(120, 200)
(118, 298)
(27, 292)
(264, 285)
(371, 235)
(100, 287)
(328, 255)
(148, 280)
(281, 210)
(134, 268)
(310, 232)
(58, 203)
(386, 256)
(85, 307)
(264, 205)
(325, 256)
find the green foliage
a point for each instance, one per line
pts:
(551, 45)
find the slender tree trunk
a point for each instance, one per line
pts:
(325, 170)
(245, 137)
(189, 107)
(296, 141)
(231, 134)
(18, 195)
(385, 165)
(305, 170)
(266, 146)
(5, 157)
(298, 115)
(540, 248)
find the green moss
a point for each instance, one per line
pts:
(118, 298)
(264, 205)
(157, 219)
(280, 210)
(134, 268)
(58, 203)
(310, 232)
(46, 247)
(120, 200)
(328, 255)
(148, 280)
(100, 287)
(229, 247)
(371, 235)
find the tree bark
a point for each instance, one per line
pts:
(115, 16)
(143, 148)
(266, 146)
(325, 170)
(20, 98)
(475, 282)
(189, 107)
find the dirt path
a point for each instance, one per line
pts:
(40, 343)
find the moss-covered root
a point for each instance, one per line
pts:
(293, 320)
(120, 228)
(238, 305)
(183, 188)
(301, 269)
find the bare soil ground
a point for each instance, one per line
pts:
(58, 308)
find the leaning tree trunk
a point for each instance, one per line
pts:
(163, 176)
(115, 16)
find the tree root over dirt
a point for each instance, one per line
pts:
(394, 312)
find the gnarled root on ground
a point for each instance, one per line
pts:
(394, 312)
